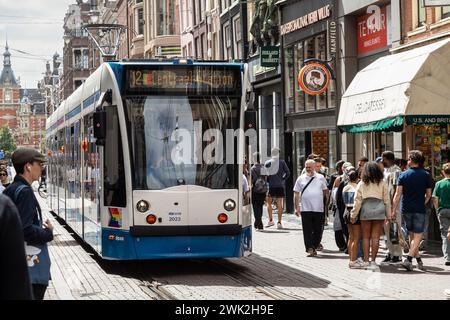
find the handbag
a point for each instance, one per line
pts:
(393, 232)
(347, 216)
(373, 209)
(38, 261)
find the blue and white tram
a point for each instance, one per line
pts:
(138, 164)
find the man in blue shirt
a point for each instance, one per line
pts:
(414, 190)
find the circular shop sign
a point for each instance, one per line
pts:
(314, 78)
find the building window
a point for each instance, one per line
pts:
(227, 42)
(165, 17)
(8, 96)
(77, 83)
(421, 13)
(237, 37)
(445, 12)
(185, 52)
(140, 21)
(190, 49)
(289, 78)
(204, 46)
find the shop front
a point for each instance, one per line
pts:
(371, 29)
(308, 34)
(407, 93)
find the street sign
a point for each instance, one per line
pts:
(270, 56)
(2, 154)
(436, 3)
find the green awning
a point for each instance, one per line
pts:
(428, 119)
(390, 124)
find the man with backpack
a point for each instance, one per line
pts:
(309, 192)
(37, 233)
(259, 190)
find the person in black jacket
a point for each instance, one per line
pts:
(14, 279)
(37, 233)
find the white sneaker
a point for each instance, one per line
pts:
(270, 224)
(279, 226)
(355, 264)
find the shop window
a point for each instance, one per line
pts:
(434, 142)
(289, 79)
(299, 94)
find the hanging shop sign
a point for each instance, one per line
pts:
(270, 56)
(436, 3)
(314, 77)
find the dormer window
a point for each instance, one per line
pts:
(8, 96)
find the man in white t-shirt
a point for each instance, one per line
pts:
(309, 192)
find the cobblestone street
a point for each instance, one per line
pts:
(277, 269)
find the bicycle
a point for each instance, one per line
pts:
(42, 189)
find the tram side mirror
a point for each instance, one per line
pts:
(100, 127)
(250, 120)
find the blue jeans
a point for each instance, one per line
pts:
(444, 224)
(415, 222)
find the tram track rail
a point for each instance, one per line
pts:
(252, 280)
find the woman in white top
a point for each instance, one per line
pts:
(372, 205)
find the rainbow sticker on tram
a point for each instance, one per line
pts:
(115, 220)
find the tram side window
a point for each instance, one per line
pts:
(114, 170)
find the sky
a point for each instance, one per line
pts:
(35, 27)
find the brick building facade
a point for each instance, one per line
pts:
(21, 110)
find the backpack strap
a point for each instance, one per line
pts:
(17, 191)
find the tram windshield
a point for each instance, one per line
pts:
(183, 140)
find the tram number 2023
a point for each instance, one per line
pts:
(174, 218)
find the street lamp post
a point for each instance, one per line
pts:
(105, 36)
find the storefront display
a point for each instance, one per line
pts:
(434, 142)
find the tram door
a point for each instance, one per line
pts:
(90, 184)
(61, 175)
(73, 203)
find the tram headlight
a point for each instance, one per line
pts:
(229, 205)
(142, 206)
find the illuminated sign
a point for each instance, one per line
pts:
(314, 78)
(184, 79)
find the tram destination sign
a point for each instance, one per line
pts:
(198, 80)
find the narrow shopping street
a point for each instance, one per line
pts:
(277, 269)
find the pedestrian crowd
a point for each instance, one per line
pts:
(387, 197)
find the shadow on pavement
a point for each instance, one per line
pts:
(254, 270)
